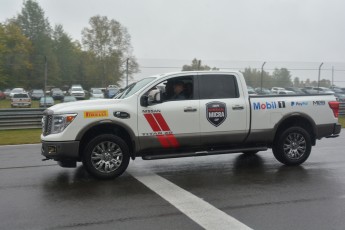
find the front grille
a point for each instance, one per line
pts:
(47, 124)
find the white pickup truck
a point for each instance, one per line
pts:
(182, 115)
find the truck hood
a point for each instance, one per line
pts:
(78, 106)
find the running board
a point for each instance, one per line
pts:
(202, 153)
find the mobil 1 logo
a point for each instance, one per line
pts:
(216, 112)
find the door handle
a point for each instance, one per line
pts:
(237, 107)
(189, 109)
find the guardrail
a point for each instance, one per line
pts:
(31, 118)
(342, 109)
(20, 118)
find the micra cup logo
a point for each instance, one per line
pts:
(216, 112)
(269, 105)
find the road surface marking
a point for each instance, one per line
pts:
(201, 212)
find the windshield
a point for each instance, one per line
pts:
(20, 95)
(97, 91)
(133, 88)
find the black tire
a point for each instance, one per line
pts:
(110, 153)
(297, 144)
(250, 152)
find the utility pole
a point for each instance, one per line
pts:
(318, 81)
(45, 79)
(262, 74)
(332, 75)
(127, 71)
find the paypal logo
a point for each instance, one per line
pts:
(298, 103)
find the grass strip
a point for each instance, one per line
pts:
(342, 121)
(20, 136)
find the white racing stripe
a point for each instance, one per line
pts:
(203, 213)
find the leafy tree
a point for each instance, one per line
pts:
(296, 82)
(35, 26)
(109, 41)
(282, 77)
(14, 55)
(253, 78)
(67, 54)
(196, 65)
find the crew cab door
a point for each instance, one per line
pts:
(224, 111)
(168, 125)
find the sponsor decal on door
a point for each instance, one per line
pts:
(216, 112)
(269, 105)
(160, 129)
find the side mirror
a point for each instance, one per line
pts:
(144, 101)
(153, 97)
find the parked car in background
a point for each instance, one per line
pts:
(285, 92)
(262, 91)
(69, 99)
(337, 90)
(111, 92)
(275, 90)
(309, 91)
(46, 101)
(16, 91)
(2, 95)
(36, 94)
(77, 91)
(20, 100)
(7, 92)
(96, 93)
(295, 89)
(57, 94)
(252, 92)
(323, 90)
(340, 97)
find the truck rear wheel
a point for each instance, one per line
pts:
(106, 156)
(293, 146)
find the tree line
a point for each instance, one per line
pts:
(29, 45)
(279, 78)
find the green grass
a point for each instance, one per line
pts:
(342, 121)
(22, 136)
(6, 104)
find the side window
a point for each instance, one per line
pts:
(217, 86)
(173, 89)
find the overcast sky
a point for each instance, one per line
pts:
(276, 31)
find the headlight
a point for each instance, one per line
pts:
(60, 122)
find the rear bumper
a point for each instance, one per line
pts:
(59, 151)
(328, 130)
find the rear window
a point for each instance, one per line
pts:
(20, 95)
(217, 86)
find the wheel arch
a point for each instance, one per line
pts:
(297, 119)
(107, 126)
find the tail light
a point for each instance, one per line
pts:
(334, 105)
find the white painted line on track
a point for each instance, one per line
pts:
(19, 145)
(201, 212)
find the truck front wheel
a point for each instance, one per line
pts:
(106, 156)
(292, 146)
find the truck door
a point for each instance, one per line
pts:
(173, 122)
(223, 110)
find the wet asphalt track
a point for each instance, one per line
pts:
(256, 190)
